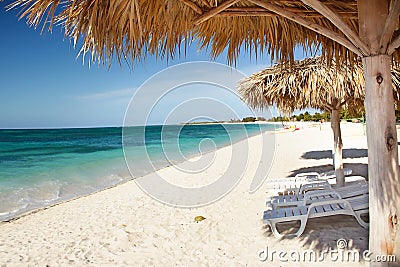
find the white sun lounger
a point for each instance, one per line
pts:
(318, 195)
(299, 187)
(355, 206)
(307, 176)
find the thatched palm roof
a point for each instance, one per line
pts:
(131, 28)
(309, 83)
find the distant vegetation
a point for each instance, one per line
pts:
(306, 116)
(247, 119)
(253, 119)
(344, 115)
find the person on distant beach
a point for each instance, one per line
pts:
(320, 125)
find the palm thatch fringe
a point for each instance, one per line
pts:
(131, 29)
(309, 83)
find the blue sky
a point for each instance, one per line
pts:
(44, 84)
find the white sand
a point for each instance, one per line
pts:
(124, 226)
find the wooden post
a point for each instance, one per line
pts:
(337, 147)
(384, 183)
(383, 163)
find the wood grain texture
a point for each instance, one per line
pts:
(337, 146)
(383, 162)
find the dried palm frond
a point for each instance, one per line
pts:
(132, 28)
(309, 83)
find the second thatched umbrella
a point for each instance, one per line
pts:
(311, 83)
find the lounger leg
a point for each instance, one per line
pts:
(275, 231)
(360, 221)
(303, 223)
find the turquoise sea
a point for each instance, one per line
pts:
(42, 167)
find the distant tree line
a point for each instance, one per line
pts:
(249, 119)
(306, 116)
(253, 119)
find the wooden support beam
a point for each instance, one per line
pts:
(383, 160)
(291, 9)
(348, 3)
(308, 24)
(318, 15)
(193, 6)
(337, 147)
(246, 9)
(300, 11)
(391, 24)
(393, 45)
(372, 16)
(333, 17)
(264, 13)
(383, 164)
(212, 12)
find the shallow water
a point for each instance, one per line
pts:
(42, 167)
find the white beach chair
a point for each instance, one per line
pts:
(299, 187)
(355, 206)
(318, 195)
(307, 176)
(284, 184)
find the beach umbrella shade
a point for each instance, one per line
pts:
(312, 83)
(345, 30)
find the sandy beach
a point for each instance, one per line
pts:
(124, 226)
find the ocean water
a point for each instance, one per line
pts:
(41, 167)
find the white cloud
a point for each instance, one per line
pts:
(109, 95)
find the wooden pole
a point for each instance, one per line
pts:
(384, 183)
(383, 163)
(337, 147)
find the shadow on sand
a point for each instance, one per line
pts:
(349, 153)
(359, 169)
(323, 233)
